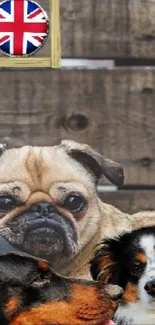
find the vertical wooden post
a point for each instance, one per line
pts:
(55, 43)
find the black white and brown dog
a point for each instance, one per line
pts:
(129, 261)
(32, 294)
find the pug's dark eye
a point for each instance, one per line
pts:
(74, 203)
(7, 203)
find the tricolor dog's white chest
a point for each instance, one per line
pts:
(135, 314)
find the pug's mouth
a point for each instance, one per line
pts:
(42, 239)
(53, 239)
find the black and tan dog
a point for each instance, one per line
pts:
(32, 294)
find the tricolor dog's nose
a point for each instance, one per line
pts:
(150, 287)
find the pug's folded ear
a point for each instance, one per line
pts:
(97, 164)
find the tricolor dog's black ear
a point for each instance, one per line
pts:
(104, 265)
(97, 164)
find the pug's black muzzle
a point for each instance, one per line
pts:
(43, 232)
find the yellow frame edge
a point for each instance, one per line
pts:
(55, 50)
(25, 62)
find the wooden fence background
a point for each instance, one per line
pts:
(110, 108)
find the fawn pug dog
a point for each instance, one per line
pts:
(49, 206)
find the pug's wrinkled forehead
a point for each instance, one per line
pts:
(46, 169)
(31, 169)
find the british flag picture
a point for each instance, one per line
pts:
(23, 27)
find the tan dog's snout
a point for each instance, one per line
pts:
(114, 291)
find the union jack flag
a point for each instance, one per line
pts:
(23, 27)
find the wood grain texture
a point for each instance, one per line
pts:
(108, 28)
(113, 111)
(130, 201)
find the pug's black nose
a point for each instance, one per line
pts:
(42, 209)
(150, 287)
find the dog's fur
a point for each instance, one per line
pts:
(41, 213)
(32, 294)
(129, 261)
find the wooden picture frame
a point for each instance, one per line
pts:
(54, 60)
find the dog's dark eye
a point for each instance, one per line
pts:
(7, 203)
(137, 268)
(74, 203)
(137, 265)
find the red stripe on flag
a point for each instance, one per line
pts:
(38, 11)
(39, 39)
(23, 27)
(4, 38)
(18, 22)
(1, 16)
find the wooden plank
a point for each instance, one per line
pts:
(130, 201)
(108, 28)
(111, 110)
